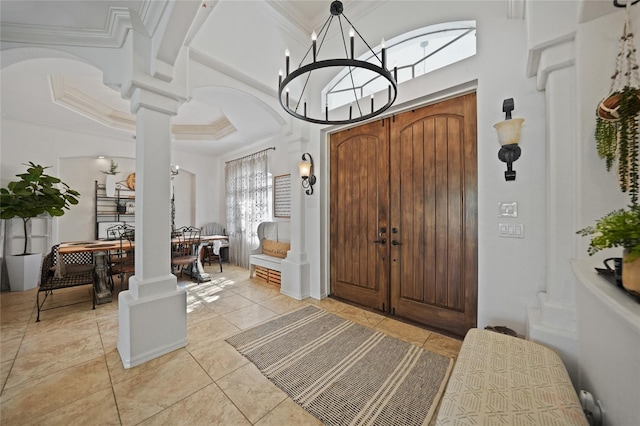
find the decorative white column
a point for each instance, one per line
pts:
(553, 321)
(153, 312)
(295, 278)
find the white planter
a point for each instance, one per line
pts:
(24, 271)
(110, 185)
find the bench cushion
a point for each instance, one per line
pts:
(265, 261)
(275, 248)
(500, 379)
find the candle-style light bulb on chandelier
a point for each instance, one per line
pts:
(363, 110)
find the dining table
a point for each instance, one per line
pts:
(100, 248)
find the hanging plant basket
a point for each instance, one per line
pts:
(609, 108)
(617, 116)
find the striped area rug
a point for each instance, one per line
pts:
(344, 373)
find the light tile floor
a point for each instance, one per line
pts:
(66, 368)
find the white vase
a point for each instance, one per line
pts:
(110, 185)
(24, 271)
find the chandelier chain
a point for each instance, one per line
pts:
(362, 38)
(327, 24)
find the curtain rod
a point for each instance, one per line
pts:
(247, 156)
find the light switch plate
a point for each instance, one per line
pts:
(508, 209)
(511, 230)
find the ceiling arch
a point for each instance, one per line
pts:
(253, 118)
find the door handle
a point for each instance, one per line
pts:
(396, 243)
(381, 241)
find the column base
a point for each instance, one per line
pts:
(152, 326)
(295, 279)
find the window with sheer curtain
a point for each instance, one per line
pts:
(247, 203)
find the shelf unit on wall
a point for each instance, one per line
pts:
(114, 210)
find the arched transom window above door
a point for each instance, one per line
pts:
(414, 53)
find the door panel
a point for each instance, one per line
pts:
(359, 206)
(415, 177)
(433, 276)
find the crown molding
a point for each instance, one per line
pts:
(300, 27)
(357, 9)
(113, 35)
(66, 94)
(216, 130)
(291, 23)
(201, 17)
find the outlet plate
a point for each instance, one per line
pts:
(508, 209)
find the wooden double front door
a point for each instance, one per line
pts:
(404, 215)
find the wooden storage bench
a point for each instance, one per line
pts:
(271, 276)
(267, 265)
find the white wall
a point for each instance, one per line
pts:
(497, 70)
(609, 344)
(80, 173)
(596, 49)
(73, 157)
(510, 271)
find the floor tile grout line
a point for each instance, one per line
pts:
(246, 285)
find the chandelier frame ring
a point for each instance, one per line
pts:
(339, 62)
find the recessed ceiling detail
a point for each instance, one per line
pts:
(71, 96)
(216, 130)
(67, 95)
(111, 32)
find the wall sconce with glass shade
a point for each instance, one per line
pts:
(509, 137)
(306, 173)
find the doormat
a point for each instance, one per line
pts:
(344, 373)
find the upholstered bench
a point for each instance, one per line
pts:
(267, 265)
(500, 379)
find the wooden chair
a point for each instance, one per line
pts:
(68, 270)
(184, 248)
(122, 262)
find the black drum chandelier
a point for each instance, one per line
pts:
(363, 111)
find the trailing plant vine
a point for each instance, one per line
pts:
(606, 139)
(618, 139)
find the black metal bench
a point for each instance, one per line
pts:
(78, 270)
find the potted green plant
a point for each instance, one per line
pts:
(110, 180)
(34, 194)
(619, 228)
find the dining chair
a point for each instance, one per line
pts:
(213, 252)
(122, 261)
(214, 228)
(184, 249)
